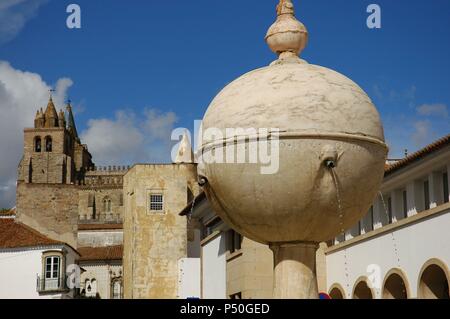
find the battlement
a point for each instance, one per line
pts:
(107, 170)
(105, 176)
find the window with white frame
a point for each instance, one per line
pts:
(52, 273)
(156, 202)
(52, 265)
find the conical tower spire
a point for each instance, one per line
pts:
(184, 154)
(51, 116)
(71, 121)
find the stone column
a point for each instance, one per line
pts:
(436, 189)
(397, 205)
(379, 213)
(415, 201)
(295, 271)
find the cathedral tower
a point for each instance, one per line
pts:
(53, 153)
(53, 166)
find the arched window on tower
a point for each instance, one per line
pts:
(37, 144)
(48, 144)
(107, 205)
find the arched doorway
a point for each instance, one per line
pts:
(336, 292)
(362, 290)
(433, 281)
(395, 285)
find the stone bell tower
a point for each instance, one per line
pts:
(53, 153)
(54, 163)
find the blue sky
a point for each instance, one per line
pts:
(154, 65)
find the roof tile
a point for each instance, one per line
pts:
(16, 235)
(431, 148)
(101, 253)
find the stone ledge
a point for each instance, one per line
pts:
(434, 212)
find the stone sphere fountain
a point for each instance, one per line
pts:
(331, 156)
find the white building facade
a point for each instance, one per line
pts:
(33, 266)
(401, 248)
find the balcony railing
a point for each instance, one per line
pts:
(51, 285)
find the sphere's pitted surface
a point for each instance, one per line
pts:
(325, 120)
(295, 96)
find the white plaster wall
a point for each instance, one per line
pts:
(214, 269)
(100, 238)
(416, 244)
(101, 273)
(18, 274)
(189, 278)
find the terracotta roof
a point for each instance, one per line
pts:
(433, 147)
(16, 235)
(99, 226)
(101, 253)
(8, 213)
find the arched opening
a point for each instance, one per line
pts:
(37, 144)
(91, 288)
(107, 205)
(433, 281)
(395, 286)
(336, 292)
(116, 289)
(48, 144)
(362, 290)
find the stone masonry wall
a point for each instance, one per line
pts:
(93, 207)
(251, 272)
(50, 209)
(154, 242)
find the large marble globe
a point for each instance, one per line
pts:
(331, 147)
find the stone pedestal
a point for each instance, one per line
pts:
(295, 271)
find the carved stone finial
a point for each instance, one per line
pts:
(284, 7)
(287, 37)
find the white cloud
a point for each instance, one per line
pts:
(409, 126)
(158, 125)
(21, 94)
(14, 14)
(129, 138)
(433, 110)
(422, 133)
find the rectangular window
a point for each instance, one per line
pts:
(212, 226)
(52, 267)
(234, 241)
(405, 204)
(426, 194)
(445, 183)
(157, 202)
